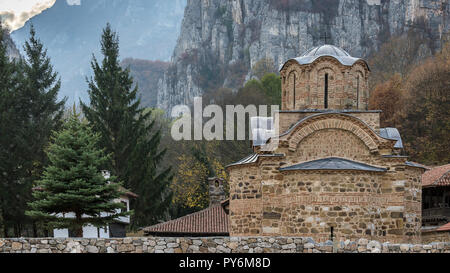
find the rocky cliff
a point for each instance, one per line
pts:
(11, 48)
(221, 40)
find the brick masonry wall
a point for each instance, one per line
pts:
(288, 119)
(378, 206)
(309, 82)
(212, 245)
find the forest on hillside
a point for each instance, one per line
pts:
(146, 75)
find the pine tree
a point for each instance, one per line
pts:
(41, 99)
(126, 131)
(73, 182)
(14, 160)
(32, 113)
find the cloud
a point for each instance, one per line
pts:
(14, 14)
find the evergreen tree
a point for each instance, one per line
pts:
(272, 88)
(32, 112)
(73, 182)
(15, 163)
(126, 131)
(40, 94)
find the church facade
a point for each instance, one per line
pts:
(330, 172)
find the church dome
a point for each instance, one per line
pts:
(330, 51)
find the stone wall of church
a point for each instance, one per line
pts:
(245, 184)
(311, 202)
(308, 203)
(412, 200)
(382, 206)
(303, 86)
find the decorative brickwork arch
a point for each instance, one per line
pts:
(332, 121)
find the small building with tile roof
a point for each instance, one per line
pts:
(210, 222)
(436, 197)
(326, 169)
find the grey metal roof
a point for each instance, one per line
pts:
(416, 165)
(333, 163)
(392, 133)
(253, 158)
(247, 160)
(327, 50)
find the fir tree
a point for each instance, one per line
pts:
(126, 131)
(33, 112)
(73, 182)
(14, 159)
(40, 94)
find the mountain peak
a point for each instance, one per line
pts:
(148, 29)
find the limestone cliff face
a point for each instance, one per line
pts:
(221, 40)
(11, 49)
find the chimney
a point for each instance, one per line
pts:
(216, 191)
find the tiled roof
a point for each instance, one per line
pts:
(439, 176)
(212, 221)
(333, 163)
(444, 228)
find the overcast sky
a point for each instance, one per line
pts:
(15, 13)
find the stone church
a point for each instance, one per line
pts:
(331, 172)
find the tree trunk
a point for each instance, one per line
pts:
(16, 231)
(2, 227)
(2, 222)
(35, 234)
(79, 229)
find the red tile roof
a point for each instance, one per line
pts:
(209, 222)
(436, 177)
(444, 228)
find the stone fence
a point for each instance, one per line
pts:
(210, 245)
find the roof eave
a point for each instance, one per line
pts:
(330, 56)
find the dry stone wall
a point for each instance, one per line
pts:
(212, 245)
(435, 236)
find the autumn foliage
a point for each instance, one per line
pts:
(386, 97)
(419, 105)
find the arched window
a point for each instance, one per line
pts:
(326, 91)
(357, 92)
(291, 90)
(295, 82)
